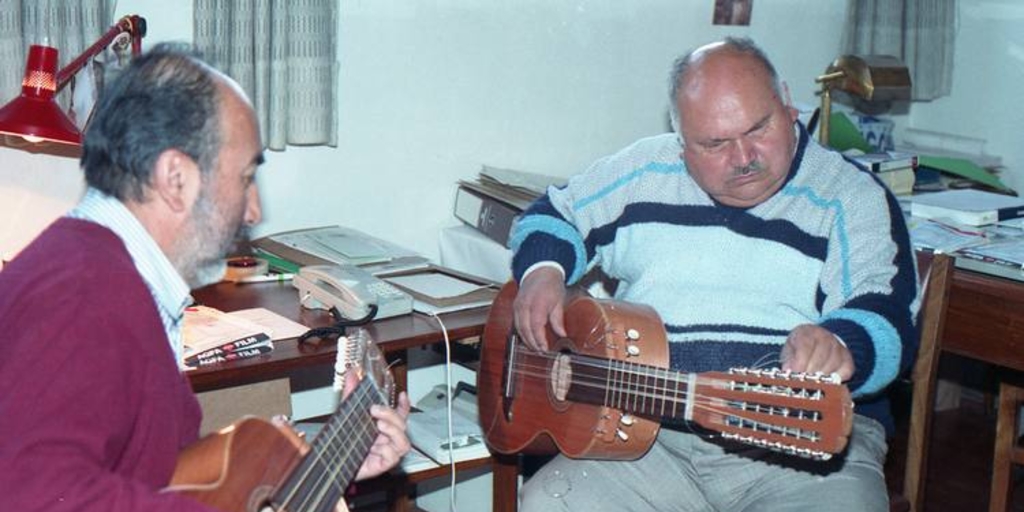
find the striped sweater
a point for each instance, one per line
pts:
(830, 247)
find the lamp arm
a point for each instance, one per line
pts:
(828, 77)
(133, 24)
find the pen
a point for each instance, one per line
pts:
(266, 278)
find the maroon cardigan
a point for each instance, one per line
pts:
(93, 409)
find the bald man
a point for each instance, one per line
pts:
(758, 248)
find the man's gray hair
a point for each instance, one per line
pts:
(167, 98)
(682, 65)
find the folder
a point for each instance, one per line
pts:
(487, 214)
(437, 289)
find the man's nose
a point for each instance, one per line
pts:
(253, 210)
(741, 153)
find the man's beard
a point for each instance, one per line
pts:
(205, 243)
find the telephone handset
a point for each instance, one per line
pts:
(351, 290)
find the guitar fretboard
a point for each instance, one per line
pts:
(637, 388)
(335, 455)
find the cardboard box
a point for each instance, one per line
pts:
(222, 407)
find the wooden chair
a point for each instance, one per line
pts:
(936, 273)
(1007, 451)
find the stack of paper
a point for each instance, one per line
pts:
(517, 188)
(428, 429)
(414, 460)
(290, 250)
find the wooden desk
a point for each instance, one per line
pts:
(985, 320)
(315, 361)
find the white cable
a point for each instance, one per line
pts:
(448, 402)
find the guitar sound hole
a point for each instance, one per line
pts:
(561, 377)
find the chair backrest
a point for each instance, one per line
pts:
(936, 271)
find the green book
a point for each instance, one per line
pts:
(277, 263)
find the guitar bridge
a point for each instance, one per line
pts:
(507, 377)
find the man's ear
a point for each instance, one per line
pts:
(788, 103)
(176, 181)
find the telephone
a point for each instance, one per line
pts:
(351, 290)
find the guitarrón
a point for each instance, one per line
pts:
(602, 391)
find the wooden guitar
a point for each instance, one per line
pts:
(602, 391)
(254, 463)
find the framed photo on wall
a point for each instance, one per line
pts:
(732, 12)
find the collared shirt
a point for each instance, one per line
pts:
(169, 290)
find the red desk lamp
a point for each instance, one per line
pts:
(34, 115)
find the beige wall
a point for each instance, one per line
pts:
(430, 90)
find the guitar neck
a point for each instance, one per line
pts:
(335, 455)
(638, 389)
(807, 415)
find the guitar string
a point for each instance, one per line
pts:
(657, 392)
(341, 424)
(349, 458)
(301, 491)
(792, 379)
(364, 431)
(645, 374)
(328, 476)
(328, 452)
(597, 336)
(801, 431)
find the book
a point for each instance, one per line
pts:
(1004, 258)
(207, 328)
(208, 358)
(967, 206)
(900, 181)
(887, 161)
(256, 340)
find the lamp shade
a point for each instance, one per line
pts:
(34, 114)
(872, 77)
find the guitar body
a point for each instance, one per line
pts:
(238, 468)
(527, 411)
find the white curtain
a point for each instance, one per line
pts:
(284, 54)
(68, 26)
(919, 32)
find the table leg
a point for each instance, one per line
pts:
(505, 482)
